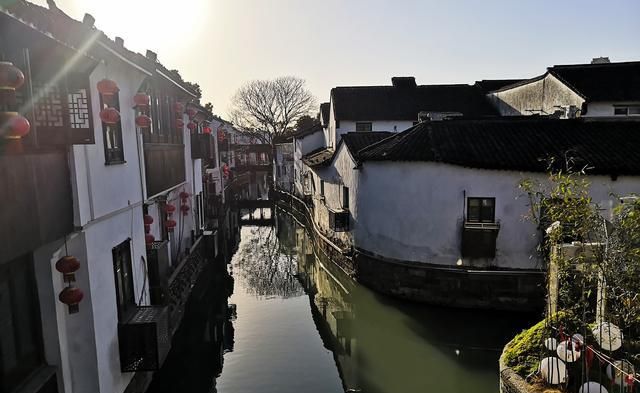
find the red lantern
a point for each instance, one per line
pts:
(143, 121)
(16, 127)
(184, 195)
(192, 126)
(169, 209)
(147, 228)
(108, 88)
(71, 296)
(185, 209)
(142, 100)
(110, 116)
(11, 78)
(192, 113)
(221, 135)
(178, 107)
(206, 130)
(179, 124)
(170, 224)
(149, 238)
(148, 220)
(67, 264)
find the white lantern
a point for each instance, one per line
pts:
(578, 338)
(608, 336)
(553, 370)
(619, 371)
(592, 387)
(551, 343)
(568, 351)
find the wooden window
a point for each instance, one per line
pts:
(321, 187)
(626, 110)
(112, 135)
(345, 197)
(364, 126)
(481, 210)
(20, 335)
(620, 110)
(125, 297)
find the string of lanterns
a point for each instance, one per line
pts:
(142, 103)
(108, 90)
(13, 126)
(148, 237)
(70, 295)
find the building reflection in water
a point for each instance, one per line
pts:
(383, 345)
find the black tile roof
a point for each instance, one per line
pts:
(356, 141)
(318, 157)
(405, 102)
(602, 82)
(489, 85)
(523, 144)
(325, 109)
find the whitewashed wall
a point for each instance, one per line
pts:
(301, 147)
(545, 94)
(604, 109)
(414, 211)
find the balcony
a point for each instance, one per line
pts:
(36, 189)
(479, 239)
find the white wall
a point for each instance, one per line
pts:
(414, 211)
(604, 109)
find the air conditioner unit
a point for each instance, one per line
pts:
(144, 339)
(158, 260)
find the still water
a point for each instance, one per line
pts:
(296, 323)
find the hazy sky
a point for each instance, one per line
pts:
(222, 43)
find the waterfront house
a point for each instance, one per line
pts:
(283, 164)
(110, 149)
(599, 89)
(434, 213)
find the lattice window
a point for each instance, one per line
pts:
(48, 107)
(79, 109)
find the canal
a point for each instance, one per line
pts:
(295, 322)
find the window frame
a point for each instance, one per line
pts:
(345, 197)
(321, 187)
(112, 156)
(125, 302)
(481, 214)
(627, 110)
(366, 125)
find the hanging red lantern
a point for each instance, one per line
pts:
(185, 209)
(221, 135)
(143, 121)
(149, 238)
(67, 264)
(169, 208)
(192, 113)
(148, 220)
(206, 130)
(71, 296)
(11, 78)
(147, 228)
(108, 88)
(179, 124)
(184, 195)
(110, 116)
(192, 126)
(15, 127)
(178, 107)
(142, 100)
(170, 224)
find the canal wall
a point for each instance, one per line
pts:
(498, 289)
(510, 381)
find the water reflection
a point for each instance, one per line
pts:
(383, 345)
(296, 323)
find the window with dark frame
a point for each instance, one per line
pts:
(364, 126)
(321, 187)
(123, 270)
(112, 135)
(345, 197)
(626, 110)
(20, 333)
(482, 210)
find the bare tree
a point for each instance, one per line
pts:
(267, 109)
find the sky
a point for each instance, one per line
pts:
(221, 44)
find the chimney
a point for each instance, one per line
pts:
(52, 5)
(120, 42)
(88, 20)
(600, 60)
(151, 55)
(403, 81)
